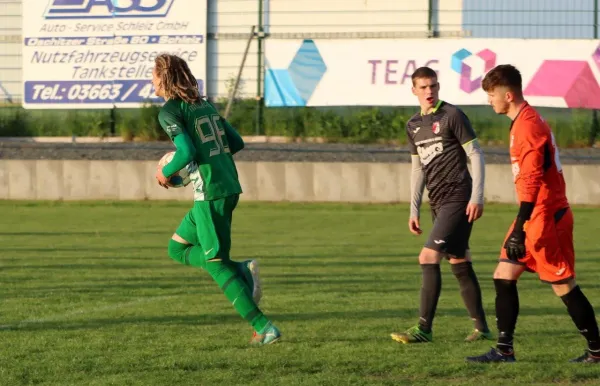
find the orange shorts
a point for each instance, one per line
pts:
(549, 247)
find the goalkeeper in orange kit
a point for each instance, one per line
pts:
(541, 237)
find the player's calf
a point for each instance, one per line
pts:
(507, 313)
(250, 273)
(254, 282)
(471, 294)
(431, 287)
(582, 314)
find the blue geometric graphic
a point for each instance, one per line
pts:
(280, 89)
(458, 58)
(295, 85)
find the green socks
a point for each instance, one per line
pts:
(229, 277)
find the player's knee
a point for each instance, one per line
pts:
(508, 271)
(456, 260)
(503, 274)
(462, 269)
(430, 256)
(177, 251)
(564, 288)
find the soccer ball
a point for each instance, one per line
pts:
(179, 179)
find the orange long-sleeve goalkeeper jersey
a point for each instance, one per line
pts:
(535, 162)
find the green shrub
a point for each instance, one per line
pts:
(572, 128)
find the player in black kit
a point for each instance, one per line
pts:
(441, 139)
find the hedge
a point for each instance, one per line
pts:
(572, 128)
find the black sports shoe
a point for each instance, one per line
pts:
(586, 358)
(493, 356)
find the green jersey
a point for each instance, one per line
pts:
(212, 171)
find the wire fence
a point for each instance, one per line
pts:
(531, 19)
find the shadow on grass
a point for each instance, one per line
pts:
(102, 233)
(347, 317)
(306, 283)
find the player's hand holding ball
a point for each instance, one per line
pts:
(160, 177)
(413, 226)
(179, 179)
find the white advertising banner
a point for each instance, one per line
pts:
(377, 72)
(100, 53)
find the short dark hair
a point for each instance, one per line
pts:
(503, 75)
(423, 72)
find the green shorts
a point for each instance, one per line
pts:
(208, 225)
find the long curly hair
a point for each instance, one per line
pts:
(176, 79)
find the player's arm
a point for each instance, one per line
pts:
(235, 141)
(417, 186)
(468, 139)
(475, 154)
(465, 134)
(530, 144)
(185, 149)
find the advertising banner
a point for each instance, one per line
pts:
(100, 53)
(377, 72)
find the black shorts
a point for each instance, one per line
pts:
(451, 229)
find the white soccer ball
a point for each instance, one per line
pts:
(179, 179)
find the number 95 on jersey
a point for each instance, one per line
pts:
(68, 94)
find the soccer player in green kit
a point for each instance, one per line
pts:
(205, 143)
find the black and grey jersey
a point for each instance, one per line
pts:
(438, 140)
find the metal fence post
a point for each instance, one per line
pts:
(433, 19)
(259, 74)
(595, 124)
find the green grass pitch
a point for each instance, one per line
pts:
(88, 296)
